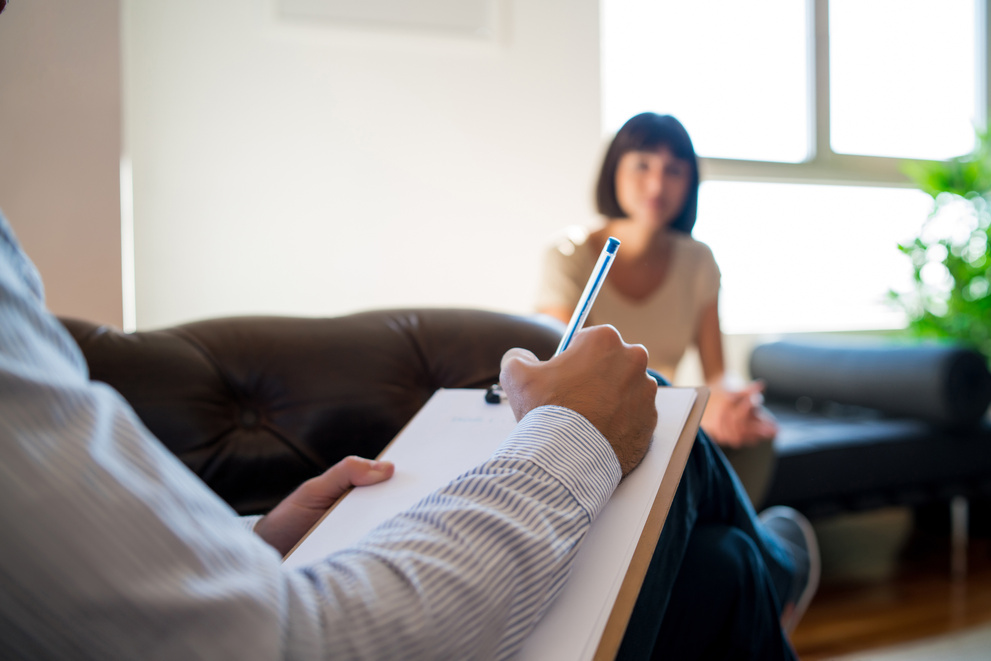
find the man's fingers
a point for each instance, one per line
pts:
(516, 366)
(517, 354)
(357, 471)
(369, 471)
(323, 490)
(289, 521)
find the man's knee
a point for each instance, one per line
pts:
(725, 559)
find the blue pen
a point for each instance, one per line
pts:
(587, 299)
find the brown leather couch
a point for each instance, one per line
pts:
(256, 405)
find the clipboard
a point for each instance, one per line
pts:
(605, 591)
(612, 636)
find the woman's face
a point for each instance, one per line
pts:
(652, 186)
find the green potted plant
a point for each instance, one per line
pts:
(951, 257)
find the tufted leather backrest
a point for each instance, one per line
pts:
(256, 405)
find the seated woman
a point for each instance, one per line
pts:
(663, 288)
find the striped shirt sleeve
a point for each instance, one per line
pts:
(478, 562)
(114, 550)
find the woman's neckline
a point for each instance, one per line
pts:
(625, 278)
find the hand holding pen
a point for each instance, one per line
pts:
(600, 377)
(495, 393)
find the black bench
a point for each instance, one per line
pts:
(870, 425)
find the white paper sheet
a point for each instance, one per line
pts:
(459, 426)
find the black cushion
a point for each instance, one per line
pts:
(942, 384)
(839, 458)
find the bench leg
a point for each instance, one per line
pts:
(959, 521)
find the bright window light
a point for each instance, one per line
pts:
(734, 73)
(902, 77)
(809, 258)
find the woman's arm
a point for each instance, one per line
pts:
(734, 418)
(709, 341)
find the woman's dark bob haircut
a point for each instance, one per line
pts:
(648, 132)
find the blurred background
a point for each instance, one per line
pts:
(164, 162)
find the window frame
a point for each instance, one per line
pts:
(824, 166)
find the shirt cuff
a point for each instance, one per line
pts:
(569, 447)
(248, 522)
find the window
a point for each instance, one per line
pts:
(802, 112)
(802, 257)
(901, 77)
(650, 63)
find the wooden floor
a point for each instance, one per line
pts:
(908, 596)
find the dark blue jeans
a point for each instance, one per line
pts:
(717, 581)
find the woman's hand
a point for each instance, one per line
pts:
(738, 418)
(285, 525)
(735, 417)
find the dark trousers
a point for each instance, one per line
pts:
(717, 581)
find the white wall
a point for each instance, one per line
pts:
(317, 169)
(60, 148)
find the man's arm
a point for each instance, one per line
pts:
(113, 549)
(468, 572)
(116, 542)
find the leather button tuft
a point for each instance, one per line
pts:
(249, 418)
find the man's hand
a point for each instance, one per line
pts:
(285, 525)
(598, 376)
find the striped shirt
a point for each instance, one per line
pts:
(112, 549)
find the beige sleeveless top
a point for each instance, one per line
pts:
(666, 322)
